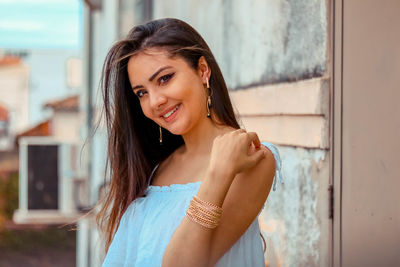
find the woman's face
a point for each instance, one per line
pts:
(171, 93)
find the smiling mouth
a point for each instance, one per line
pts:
(167, 115)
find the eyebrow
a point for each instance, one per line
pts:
(153, 76)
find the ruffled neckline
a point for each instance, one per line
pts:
(174, 187)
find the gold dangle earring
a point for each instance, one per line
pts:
(208, 99)
(160, 136)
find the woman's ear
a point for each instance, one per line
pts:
(204, 70)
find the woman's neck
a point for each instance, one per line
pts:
(200, 139)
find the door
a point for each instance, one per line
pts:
(366, 135)
(43, 177)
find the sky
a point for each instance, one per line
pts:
(40, 24)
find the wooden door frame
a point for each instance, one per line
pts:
(336, 128)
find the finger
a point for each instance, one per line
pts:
(253, 138)
(240, 131)
(256, 157)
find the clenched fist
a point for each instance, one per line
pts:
(235, 152)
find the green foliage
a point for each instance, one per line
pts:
(22, 240)
(9, 195)
(28, 239)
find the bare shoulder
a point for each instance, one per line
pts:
(262, 172)
(243, 202)
(255, 183)
(267, 164)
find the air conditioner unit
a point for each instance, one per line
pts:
(47, 175)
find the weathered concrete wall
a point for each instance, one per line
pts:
(294, 114)
(258, 41)
(295, 221)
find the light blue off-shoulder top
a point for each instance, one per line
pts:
(149, 222)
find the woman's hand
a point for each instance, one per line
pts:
(231, 153)
(235, 152)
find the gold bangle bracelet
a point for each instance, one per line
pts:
(211, 219)
(202, 222)
(205, 210)
(198, 216)
(205, 203)
(204, 213)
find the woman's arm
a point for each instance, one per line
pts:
(190, 245)
(195, 245)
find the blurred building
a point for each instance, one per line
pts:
(63, 124)
(14, 99)
(50, 184)
(29, 78)
(307, 76)
(40, 60)
(55, 74)
(66, 119)
(4, 125)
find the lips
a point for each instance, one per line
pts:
(168, 110)
(170, 113)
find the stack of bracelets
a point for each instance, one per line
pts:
(204, 213)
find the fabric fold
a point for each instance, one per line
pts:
(278, 172)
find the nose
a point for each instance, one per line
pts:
(157, 99)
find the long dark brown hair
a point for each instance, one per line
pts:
(133, 139)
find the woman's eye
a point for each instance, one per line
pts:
(165, 78)
(140, 93)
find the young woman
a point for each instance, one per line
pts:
(187, 184)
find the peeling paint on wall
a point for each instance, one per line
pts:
(258, 41)
(295, 219)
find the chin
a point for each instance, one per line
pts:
(178, 130)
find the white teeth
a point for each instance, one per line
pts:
(170, 113)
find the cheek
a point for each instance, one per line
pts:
(146, 110)
(197, 105)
